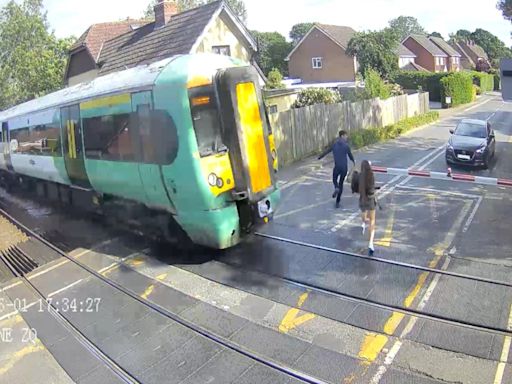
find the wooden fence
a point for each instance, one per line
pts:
(304, 131)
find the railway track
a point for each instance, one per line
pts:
(19, 263)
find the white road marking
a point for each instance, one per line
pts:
(65, 288)
(472, 216)
(498, 378)
(390, 357)
(440, 191)
(478, 105)
(31, 277)
(10, 286)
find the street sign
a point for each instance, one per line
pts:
(506, 79)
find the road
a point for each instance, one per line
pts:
(299, 293)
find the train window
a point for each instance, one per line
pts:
(22, 143)
(109, 138)
(207, 126)
(43, 139)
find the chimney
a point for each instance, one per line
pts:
(164, 10)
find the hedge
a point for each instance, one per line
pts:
(459, 86)
(427, 81)
(484, 80)
(369, 136)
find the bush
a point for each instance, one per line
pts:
(275, 79)
(425, 81)
(375, 86)
(458, 86)
(311, 96)
(485, 81)
(370, 136)
(478, 89)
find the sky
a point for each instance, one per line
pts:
(71, 17)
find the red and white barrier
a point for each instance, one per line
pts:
(443, 176)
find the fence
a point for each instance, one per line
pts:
(302, 132)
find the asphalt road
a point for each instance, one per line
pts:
(262, 293)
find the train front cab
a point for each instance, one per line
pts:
(239, 154)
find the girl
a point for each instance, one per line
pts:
(367, 201)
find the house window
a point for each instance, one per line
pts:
(317, 62)
(272, 109)
(221, 50)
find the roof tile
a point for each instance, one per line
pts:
(428, 45)
(444, 46)
(340, 34)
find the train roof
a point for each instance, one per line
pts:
(129, 79)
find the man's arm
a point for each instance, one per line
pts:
(324, 153)
(351, 156)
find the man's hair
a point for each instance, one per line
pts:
(342, 133)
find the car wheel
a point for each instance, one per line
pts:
(486, 161)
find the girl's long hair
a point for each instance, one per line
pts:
(366, 179)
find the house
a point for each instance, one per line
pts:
(428, 55)
(453, 56)
(211, 28)
(472, 55)
(84, 54)
(320, 56)
(405, 56)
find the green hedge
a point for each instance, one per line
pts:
(497, 81)
(459, 86)
(484, 80)
(427, 81)
(369, 136)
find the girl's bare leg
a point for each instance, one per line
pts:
(372, 229)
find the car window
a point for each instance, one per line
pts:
(471, 130)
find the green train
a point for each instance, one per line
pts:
(182, 148)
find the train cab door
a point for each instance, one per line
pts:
(150, 172)
(71, 132)
(246, 131)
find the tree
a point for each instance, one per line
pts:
(461, 35)
(272, 50)
(436, 34)
(298, 31)
(376, 50)
(505, 6)
(237, 6)
(311, 96)
(32, 59)
(275, 79)
(406, 25)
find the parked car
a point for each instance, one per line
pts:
(472, 143)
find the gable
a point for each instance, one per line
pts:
(315, 41)
(79, 62)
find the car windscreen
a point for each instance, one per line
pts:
(471, 130)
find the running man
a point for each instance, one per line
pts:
(340, 150)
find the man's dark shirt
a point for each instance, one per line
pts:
(340, 150)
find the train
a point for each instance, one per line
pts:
(182, 148)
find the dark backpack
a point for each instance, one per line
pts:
(354, 184)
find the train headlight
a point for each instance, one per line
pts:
(213, 179)
(220, 182)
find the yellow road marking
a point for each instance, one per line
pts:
(17, 356)
(315, 205)
(498, 378)
(162, 277)
(149, 290)
(137, 261)
(388, 234)
(291, 321)
(371, 347)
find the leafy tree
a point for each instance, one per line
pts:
(505, 6)
(406, 25)
(436, 34)
(375, 86)
(272, 50)
(492, 45)
(311, 96)
(32, 59)
(275, 79)
(238, 7)
(299, 30)
(461, 35)
(376, 50)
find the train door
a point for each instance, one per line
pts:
(150, 171)
(71, 132)
(5, 161)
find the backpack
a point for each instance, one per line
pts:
(354, 184)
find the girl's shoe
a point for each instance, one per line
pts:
(370, 252)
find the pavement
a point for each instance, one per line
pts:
(275, 298)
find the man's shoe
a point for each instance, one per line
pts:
(337, 204)
(335, 193)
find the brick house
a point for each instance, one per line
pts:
(453, 56)
(472, 55)
(211, 28)
(320, 56)
(428, 54)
